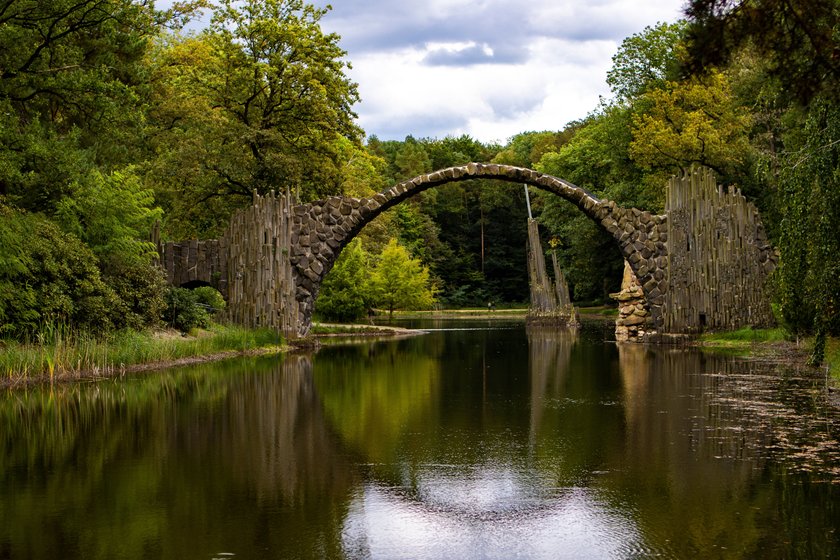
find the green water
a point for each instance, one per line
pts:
(476, 440)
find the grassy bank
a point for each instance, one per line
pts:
(749, 341)
(60, 354)
(745, 337)
(832, 358)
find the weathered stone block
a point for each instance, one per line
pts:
(633, 320)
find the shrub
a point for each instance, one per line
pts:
(183, 311)
(210, 297)
(141, 289)
(48, 277)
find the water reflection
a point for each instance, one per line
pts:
(230, 457)
(462, 443)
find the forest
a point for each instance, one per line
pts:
(113, 119)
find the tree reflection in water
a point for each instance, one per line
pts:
(463, 443)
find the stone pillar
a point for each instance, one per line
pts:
(634, 323)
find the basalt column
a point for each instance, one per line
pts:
(719, 258)
(260, 279)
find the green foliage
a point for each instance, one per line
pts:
(400, 281)
(345, 294)
(210, 298)
(797, 40)
(259, 101)
(49, 277)
(113, 215)
(688, 122)
(411, 160)
(70, 91)
(76, 354)
(527, 148)
(362, 172)
(184, 310)
(646, 60)
(141, 289)
(357, 282)
(596, 158)
(809, 271)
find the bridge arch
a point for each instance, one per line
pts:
(321, 229)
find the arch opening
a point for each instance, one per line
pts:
(325, 227)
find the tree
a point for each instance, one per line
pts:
(71, 81)
(646, 60)
(694, 121)
(411, 160)
(809, 271)
(597, 159)
(49, 278)
(400, 281)
(260, 101)
(527, 148)
(796, 38)
(113, 214)
(361, 171)
(345, 292)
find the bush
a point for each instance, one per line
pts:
(210, 297)
(189, 309)
(183, 311)
(48, 277)
(142, 290)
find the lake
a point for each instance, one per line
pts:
(479, 439)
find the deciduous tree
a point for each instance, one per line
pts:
(400, 281)
(260, 101)
(345, 292)
(694, 121)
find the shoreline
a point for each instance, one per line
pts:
(777, 352)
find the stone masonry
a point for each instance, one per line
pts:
(322, 228)
(316, 232)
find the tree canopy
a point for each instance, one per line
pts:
(112, 118)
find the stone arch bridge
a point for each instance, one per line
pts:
(702, 264)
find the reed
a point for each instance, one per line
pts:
(59, 352)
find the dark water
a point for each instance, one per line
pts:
(486, 442)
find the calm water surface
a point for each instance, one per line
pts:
(477, 440)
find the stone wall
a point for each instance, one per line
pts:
(719, 258)
(249, 265)
(701, 265)
(191, 262)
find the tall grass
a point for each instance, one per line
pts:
(59, 352)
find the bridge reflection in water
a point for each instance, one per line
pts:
(464, 443)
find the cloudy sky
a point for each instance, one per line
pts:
(487, 68)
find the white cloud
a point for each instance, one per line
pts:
(487, 68)
(491, 68)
